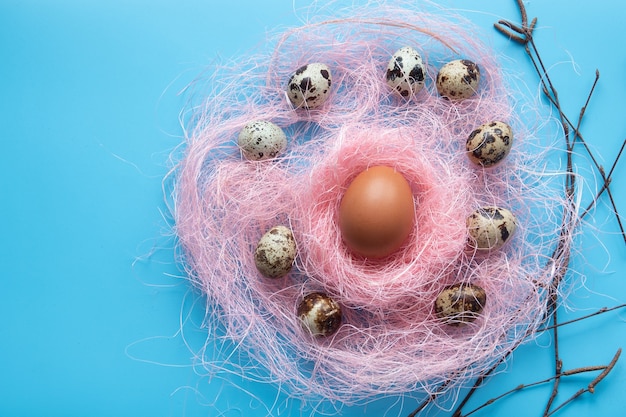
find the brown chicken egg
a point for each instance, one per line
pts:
(377, 212)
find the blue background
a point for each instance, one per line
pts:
(96, 317)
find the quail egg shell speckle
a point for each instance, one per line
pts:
(319, 314)
(460, 304)
(309, 86)
(405, 72)
(260, 140)
(490, 228)
(489, 144)
(275, 252)
(458, 79)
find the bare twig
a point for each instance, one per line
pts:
(601, 311)
(592, 386)
(570, 372)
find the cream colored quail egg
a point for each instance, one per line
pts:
(460, 304)
(405, 72)
(275, 252)
(260, 140)
(458, 79)
(489, 144)
(319, 314)
(490, 228)
(309, 86)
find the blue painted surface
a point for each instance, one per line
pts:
(92, 301)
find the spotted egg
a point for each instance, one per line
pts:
(458, 79)
(319, 314)
(309, 86)
(260, 140)
(275, 252)
(489, 144)
(490, 228)
(460, 304)
(405, 72)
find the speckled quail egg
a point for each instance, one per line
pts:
(275, 252)
(260, 140)
(489, 144)
(460, 304)
(458, 79)
(490, 228)
(405, 72)
(309, 86)
(319, 314)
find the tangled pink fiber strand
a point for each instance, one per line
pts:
(390, 341)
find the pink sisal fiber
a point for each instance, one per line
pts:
(390, 341)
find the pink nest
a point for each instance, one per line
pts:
(390, 341)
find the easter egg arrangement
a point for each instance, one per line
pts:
(358, 214)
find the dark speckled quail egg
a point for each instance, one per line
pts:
(405, 72)
(489, 144)
(275, 252)
(490, 228)
(458, 79)
(309, 86)
(460, 304)
(260, 140)
(319, 314)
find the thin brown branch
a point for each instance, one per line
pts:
(520, 387)
(584, 107)
(512, 26)
(558, 365)
(601, 311)
(592, 386)
(605, 187)
(524, 15)
(606, 183)
(500, 28)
